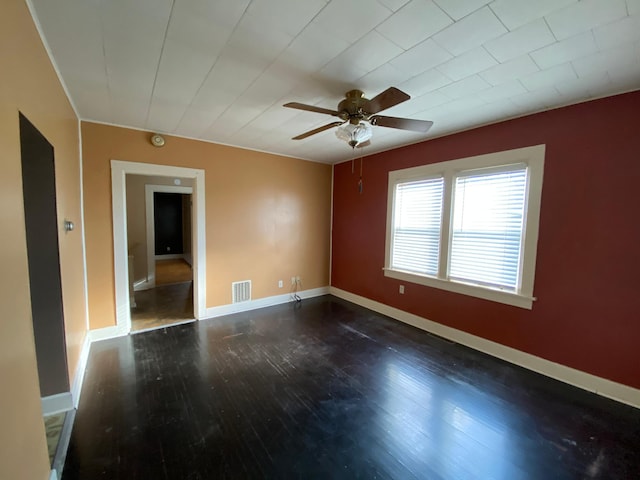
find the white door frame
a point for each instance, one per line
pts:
(119, 170)
(149, 190)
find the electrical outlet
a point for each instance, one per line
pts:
(298, 279)
(401, 289)
(280, 283)
(293, 280)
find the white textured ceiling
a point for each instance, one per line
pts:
(220, 70)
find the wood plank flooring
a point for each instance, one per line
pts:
(162, 306)
(327, 389)
(173, 271)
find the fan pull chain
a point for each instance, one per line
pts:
(360, 181)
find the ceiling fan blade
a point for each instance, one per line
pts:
(311, 108)
(421, 126)
(387, 99)
(317, 130)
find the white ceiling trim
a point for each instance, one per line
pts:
(109, 124)
(220, 71)
(52, 59)
(474, 127)
(364, 149)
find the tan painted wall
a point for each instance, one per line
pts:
(137, 217)
(267, 216)
(29, 84)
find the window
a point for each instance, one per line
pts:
(486, 231)
(416, 233)
(469, 225)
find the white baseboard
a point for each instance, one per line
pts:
(78, 378)
(586, 381)
(261, 303)
(76, 385)
(60, 402)
(105, 333)
(113, 332)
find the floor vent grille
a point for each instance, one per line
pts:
(241, 291)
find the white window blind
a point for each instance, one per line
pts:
(469, 225)
(417, 225)
(487, 226)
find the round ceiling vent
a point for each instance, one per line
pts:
(157, 140)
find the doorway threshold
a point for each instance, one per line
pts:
(159, 327)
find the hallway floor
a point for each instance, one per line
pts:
(173, 271)
(53, 427)
(327, 389)
(162, 306)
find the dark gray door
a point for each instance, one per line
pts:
(41, 222)
(167, 215)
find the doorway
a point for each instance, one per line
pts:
(41, 224)
(175, 222)
(45, 285)
(160, 253)
(119, 171)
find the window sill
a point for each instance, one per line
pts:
(508, 298)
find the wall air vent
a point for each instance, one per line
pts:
(241, 291)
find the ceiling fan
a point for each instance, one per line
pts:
(355, 109)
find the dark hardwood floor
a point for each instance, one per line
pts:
(327, 389)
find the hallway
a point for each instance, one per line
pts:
(170, 302)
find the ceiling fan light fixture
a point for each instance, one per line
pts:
(354, 134)
(357, 114)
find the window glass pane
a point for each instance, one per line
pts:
(487, 227)
(416, 227)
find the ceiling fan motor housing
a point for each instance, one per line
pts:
(352, 107)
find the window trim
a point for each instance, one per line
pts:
(533, 157)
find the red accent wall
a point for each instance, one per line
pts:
(587, 315)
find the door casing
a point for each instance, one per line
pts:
(119, 170)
